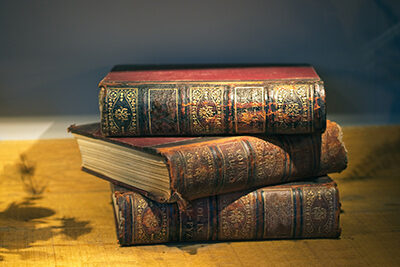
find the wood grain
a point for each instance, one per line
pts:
(71, 223)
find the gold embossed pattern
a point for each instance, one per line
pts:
(291, 107)
(267, 163)
(283, 211)
(206, 110)
(237, 218)
(278, 213)
(121, 105)
(250, 112)
(319, 213)
(195, 221)
(223, 165)
(234, 163)
(151, 221)
(187, 108)
(199, 174)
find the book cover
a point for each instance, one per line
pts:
(212, 101)
(295, 210)
(195, 167)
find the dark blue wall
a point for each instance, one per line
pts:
(53, 53)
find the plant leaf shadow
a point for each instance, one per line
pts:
(73, 228)
(21, 226)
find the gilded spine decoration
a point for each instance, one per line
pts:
(206, 110)
(250, 112)
(239, 163)
(290, 211)
(119, 111)
(291, 107)
(185, 108)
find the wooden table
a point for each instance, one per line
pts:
(71, 222)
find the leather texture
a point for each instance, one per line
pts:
(200, 167)
(298, 210)
(281, 101)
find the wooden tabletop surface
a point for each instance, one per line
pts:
(53, 214)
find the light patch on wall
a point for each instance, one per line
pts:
(34, 128)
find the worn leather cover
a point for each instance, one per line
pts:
(222, 101)
(295, 210)
(204, 166)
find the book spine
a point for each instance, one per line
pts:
(302, 211)
(244, 162)
(189, 108)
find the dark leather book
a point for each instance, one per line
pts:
(295, 210)
(169, 169)
(212, 101)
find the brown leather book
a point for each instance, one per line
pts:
(295, 210)
(212, 101)
(170, 169)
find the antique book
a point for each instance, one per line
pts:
(294, 210)
(212, 101)
(169, 169)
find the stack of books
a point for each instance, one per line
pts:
(207, 154)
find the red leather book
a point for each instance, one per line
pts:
(170, 169)
(212, 101)
(295, 210)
